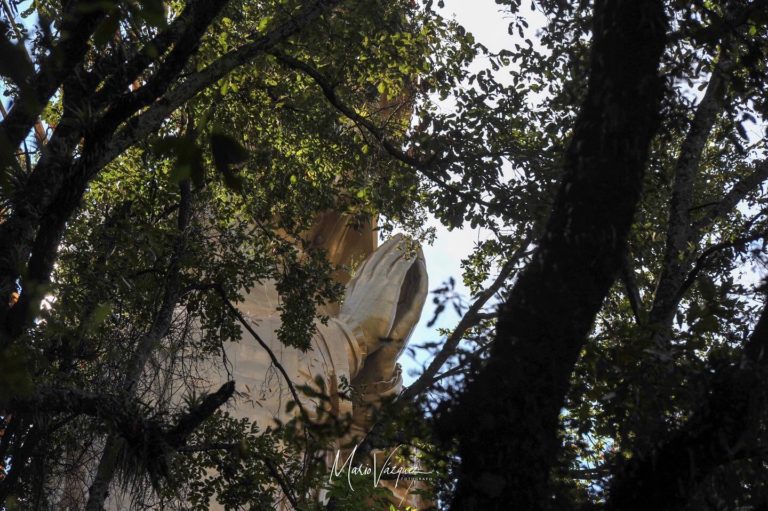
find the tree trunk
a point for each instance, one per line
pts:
(508, 417)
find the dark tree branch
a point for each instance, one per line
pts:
(80, 20)
(121, 413)
(42, 193)
(705, 256)
(186, 35)
(465, 366)
(735, 195)
(180, 29)
(190, 421)
(470, 319)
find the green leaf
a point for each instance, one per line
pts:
(263, 22)
(106, 30)
(100, 313)
(189, 159)
(227, 152)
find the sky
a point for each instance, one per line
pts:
(487, 22)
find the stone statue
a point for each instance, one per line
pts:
(381, 306)
(360, 343)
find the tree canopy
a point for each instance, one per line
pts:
(159, 158)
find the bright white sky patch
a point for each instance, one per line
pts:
(488, 23)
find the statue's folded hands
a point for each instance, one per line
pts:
(381, 307)
(383, 303)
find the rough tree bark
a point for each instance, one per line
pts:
(507, 418)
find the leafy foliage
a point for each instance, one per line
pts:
(161, 159)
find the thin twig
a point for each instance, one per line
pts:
(704, 257)
(238, 315)
(470, 319)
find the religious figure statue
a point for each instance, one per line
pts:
(360, 343)
(381, 306)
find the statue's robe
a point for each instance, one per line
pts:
(262, 394)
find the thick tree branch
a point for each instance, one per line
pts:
(54, 168)
(188, 22)
(724, 429)
(680, 230)
(187, 35)
(190, 421)
(120, 413)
